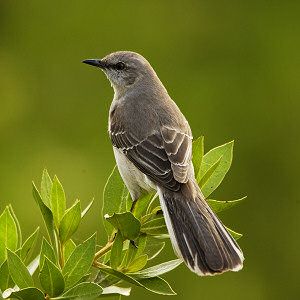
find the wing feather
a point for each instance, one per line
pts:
(165, 155)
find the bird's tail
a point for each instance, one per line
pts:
(196, 233)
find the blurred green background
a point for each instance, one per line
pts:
(231, 66)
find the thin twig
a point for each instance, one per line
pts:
(104, 250)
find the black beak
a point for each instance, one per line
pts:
(96, 63)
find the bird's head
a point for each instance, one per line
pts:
(123, 68)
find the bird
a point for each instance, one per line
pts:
(152, 145)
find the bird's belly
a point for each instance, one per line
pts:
(135, 180)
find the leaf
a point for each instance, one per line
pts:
(17, 224)
(79, 262)
(218, 206)
(128, 225)
(116, 290)
(5, 279)
(51, 279)
(198, 151)
(34, 264)
(155, 285)
(129, 254)
(209, 173)
(114, 197)
(141, 205)
(28, 245)
(153, 247)
(116, 251)
(141, 244)
(156, 226)
(47, 251)
(46, 212)
(234, 234)
(69, 247)
(29, 293)
(223, 153)
(137, 264)
(70, 222)
(158, 269)
(57, 201)
(86, 210)
(83, 291)
(18, 271)
(46, 187)
(8, 234)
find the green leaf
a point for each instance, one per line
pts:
(198, 151)
(17, 224)
(83, 291)
(128, 254)
(116, 251)
(158, 269)
(68, 248)
(116, 290)
(33, 265)
(128, 201)
(47, 251)
(141, 244)
(86, 210)
(128, 225)
(18, 271)
(79, 262)
(141, 205)
(224, 154)
(137, 264)
(70, 222)
(46, 212)
(114, 197)
(156, 226)
(153, 247)
(8, 234)
(30, 293)
(218, 206)
(57, 201)
(209, 173)
(51, 279)
(155, 285)
(5, 279)
(234, 234)
(28, 245)
(46, 187)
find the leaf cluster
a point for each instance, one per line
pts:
(136, 233)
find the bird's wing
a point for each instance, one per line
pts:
(164, 156)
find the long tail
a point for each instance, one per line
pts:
(196, 233)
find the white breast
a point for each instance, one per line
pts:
(134, 179)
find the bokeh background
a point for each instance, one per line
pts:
(232, 67)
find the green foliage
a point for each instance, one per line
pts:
(134, 234)
(57, 201)
(79, 262)
(83, 291)
(8, 234)
(28, 246)
(28, 294)
(18, 270)
(70, 222)
(51, 279)
(126, 223)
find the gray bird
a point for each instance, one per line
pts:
(152, 144)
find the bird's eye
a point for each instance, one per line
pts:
(120, 66)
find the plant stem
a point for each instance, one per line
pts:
(100, 265)
(104, 250)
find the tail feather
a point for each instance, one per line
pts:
(197, 235)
